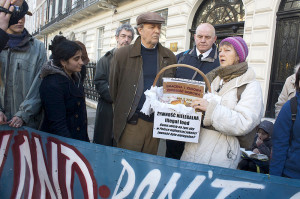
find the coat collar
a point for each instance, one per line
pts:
(135, 49)
(213, 55)
(246, 78)
(111, 52)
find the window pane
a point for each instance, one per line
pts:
(221, 12)
(99, 42)
(289, 5)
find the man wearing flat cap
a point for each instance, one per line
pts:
(133, 71)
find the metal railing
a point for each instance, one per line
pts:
(89, 85)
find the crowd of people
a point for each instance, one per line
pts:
(49, 95)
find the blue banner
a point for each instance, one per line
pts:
(35, 164)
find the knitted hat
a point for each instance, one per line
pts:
(239, 45)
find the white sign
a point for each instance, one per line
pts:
(171, 125)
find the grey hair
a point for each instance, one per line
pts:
(126, 27)
(296, 68)
(137, 27)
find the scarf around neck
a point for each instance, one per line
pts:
(15, 40)
(228, 73)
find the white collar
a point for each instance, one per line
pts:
(204, 54)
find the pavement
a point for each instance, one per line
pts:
(91, 114)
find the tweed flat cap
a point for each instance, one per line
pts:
(149, 17)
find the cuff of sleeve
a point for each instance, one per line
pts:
(23, 116)
(208, 114)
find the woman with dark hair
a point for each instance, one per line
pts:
(61, 92)
(285, 159)
(228, 114)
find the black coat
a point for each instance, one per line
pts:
(63, 101)
(104, 115)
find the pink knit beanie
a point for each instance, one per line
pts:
(239, 45)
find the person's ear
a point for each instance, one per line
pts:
(63, 63)
(140, 30)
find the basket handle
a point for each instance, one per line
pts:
(187, 66)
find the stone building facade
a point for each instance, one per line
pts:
(270, 28)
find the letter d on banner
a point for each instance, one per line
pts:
(130, 181)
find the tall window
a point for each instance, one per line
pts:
(50, 10)
(74, 3)
(164, 14)
(84, 38)
(56, 8)
(100, 32)
(64, 6)
(45, 13)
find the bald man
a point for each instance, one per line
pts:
(204, 56)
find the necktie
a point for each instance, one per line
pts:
(200, 56)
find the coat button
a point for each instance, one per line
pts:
(76, 115)
(78, 103)
(78, 129)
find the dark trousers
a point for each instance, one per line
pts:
(174, 149)
(103, 124)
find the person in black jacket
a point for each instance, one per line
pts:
(61, 92)
(104, 115)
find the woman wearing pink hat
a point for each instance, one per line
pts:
(227, 114)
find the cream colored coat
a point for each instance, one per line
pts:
(288, 91)
(229, 118)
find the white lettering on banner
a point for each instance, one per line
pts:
(72, 159)
(194, 185)
(296, 196)
(4, 148)
(26, 162)
(229, 186)
(169, 188)
(152, 179)
(129, 184)
(42, 171)
(54, 171)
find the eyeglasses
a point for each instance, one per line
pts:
(124, 36)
